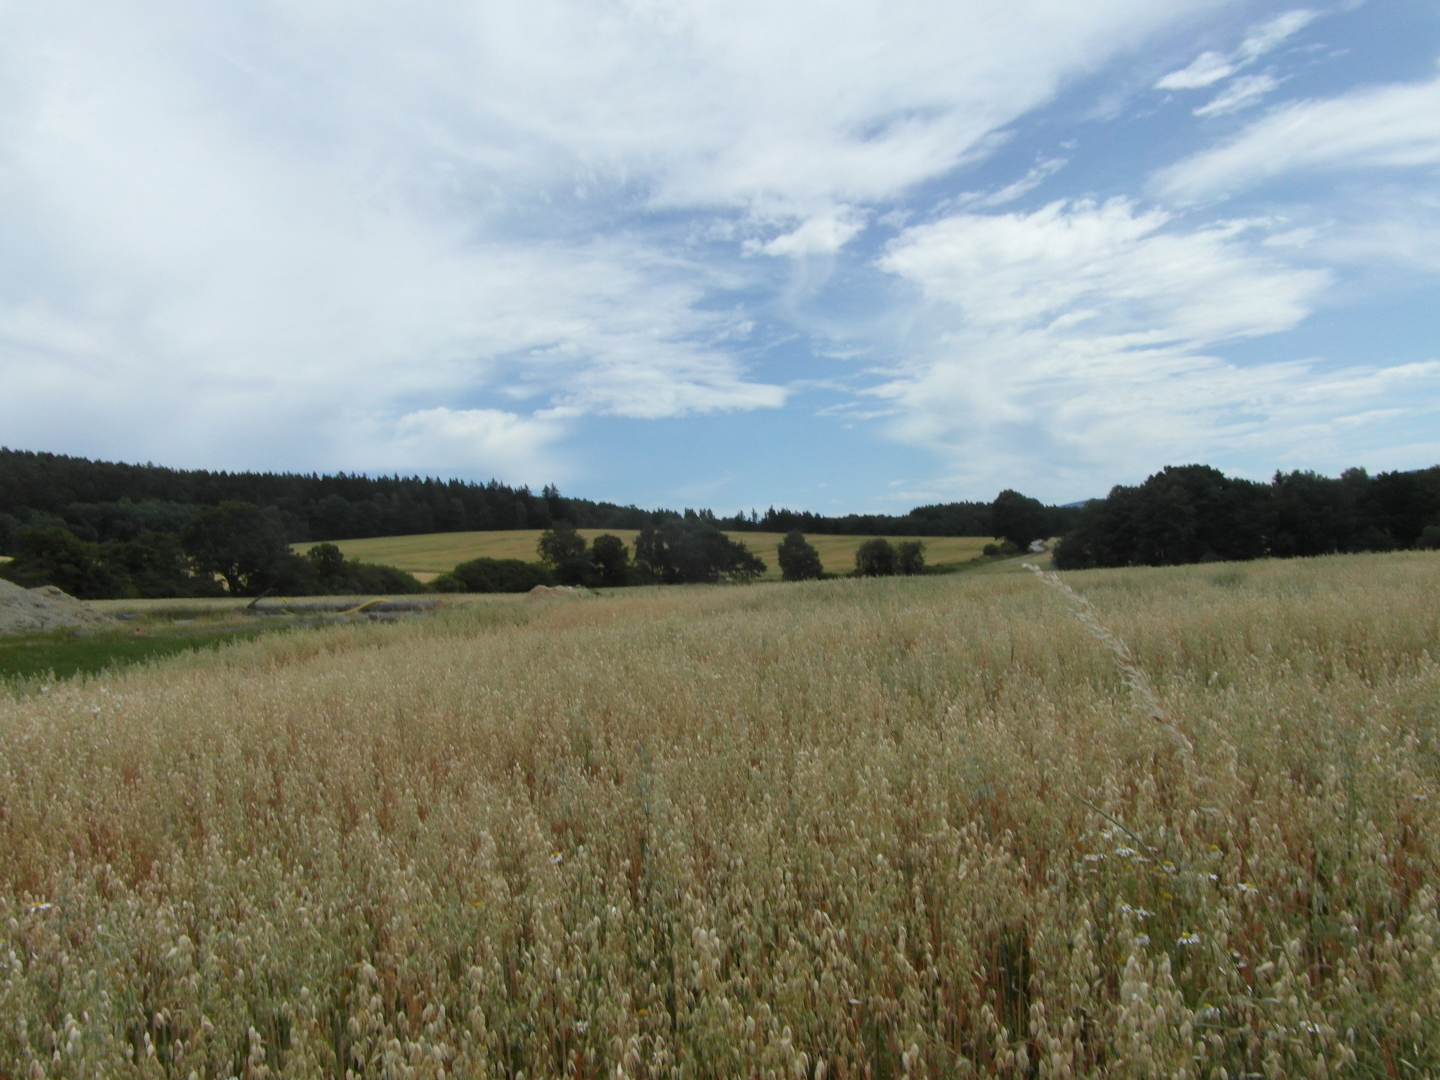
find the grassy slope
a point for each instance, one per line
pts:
(895, 826)
(434, 553)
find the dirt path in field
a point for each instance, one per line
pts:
(46, 608)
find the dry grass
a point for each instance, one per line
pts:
(847, 829)
(432, 554)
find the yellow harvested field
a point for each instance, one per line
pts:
(1180, 822)
(428, 555)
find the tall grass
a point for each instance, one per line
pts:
(861, 828)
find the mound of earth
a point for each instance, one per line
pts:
(46, 608)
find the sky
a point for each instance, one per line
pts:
(850, 255)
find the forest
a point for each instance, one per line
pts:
(101, 501)
(101, 529)
(1194, 513)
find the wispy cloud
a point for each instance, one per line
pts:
(1211, 67)
(331, 236)
(824, 233)
(1268, 35)
(1084, 333)
(1240, 94)
(1042, 171)
(1205, 70)
(279, 220)
(1377, 127)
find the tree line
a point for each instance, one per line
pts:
(937, 519)
(233, 549)
(678, 551)
(1195, 513)
(103, 501)
(161, 547)
(236, 549)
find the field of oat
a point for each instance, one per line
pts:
(1180, 823)
(431, 554)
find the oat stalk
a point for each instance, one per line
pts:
(1141, 688)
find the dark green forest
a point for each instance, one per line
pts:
(1194, 513)
(101, 529)
(102, 501)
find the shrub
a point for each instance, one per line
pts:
(799, 561)
(448, 583)
(910, 557)
(501, 575)
(875, 558)
(379, 578)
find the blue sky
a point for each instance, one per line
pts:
(836, 255)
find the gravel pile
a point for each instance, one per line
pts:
(46, 608)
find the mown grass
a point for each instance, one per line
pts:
(432, 554)
(856, 828)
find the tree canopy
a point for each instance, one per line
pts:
(875, 558)
(245, 547)
(799, 561)
(1195, 513)
(1019, 518)
(688, 551)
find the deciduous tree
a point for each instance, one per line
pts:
(683, 551)
(799, 561)
(240, 543)
(1019, 518)
(875, 558)
(611, 560)
(562, 549)
(910, 557)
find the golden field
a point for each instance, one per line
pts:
(431, 554)
(926, 827)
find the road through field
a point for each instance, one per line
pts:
(430, 554)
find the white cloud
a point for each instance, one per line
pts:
(1268, 35)
(1037, 175)
(462, 440)
(822, 234)
(1112, 263)
(1381, 127)
(1395, 229)
(1205, 70)
(1077, 340)
(1240, 94)
(264, 218)
(1210, 67)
